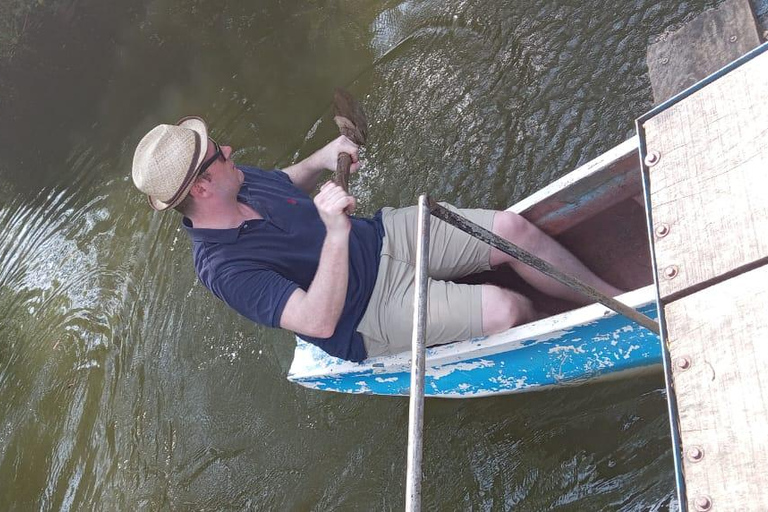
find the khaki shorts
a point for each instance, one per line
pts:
(454, 310)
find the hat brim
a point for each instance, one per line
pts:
(197, 125)
(158, 205)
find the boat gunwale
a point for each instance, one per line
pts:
(601, 164)
(590, 188)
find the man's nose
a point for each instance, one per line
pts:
(227, 150)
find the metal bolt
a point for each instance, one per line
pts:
(683, 363)
(702, 503)
(695, 453)
(652, 158)
(665, 60)
(662, 230)
(670, 272)
(733, 39)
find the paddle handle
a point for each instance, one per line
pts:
(341, 176)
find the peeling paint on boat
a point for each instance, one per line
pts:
(444, 371)
(571, 348)
(578, 346)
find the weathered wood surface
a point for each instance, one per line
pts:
(709, 185)
(718, 341)
(592, 188)
(701, 47)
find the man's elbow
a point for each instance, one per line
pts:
(322, 330)
(324, 334)
(316, 328)
(295, 318)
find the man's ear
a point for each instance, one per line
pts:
(198, 189)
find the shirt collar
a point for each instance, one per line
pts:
(230, 235)
(249, 193)
(223, 236)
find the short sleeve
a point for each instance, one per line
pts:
(258, 294)
(282, 175)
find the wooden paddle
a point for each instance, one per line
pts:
(350, 118)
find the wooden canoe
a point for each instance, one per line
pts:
(596, 212)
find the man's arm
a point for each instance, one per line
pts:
(306, 173)
(316, 312)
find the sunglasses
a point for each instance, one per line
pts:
(219, 153)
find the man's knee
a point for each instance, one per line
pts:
(503, 309)
(512, 226)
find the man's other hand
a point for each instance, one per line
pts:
(334, 205)
(329, 155)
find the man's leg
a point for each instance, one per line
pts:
(455, 312)
(460, 311)
(503, 309)
(519, 231)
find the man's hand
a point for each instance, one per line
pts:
(329, 154)
(334, 204)
(306, 173)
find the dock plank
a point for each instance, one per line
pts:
(709, 185)
(722, 332)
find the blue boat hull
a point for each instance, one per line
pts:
(604, 347)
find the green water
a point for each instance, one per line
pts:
(125, 386)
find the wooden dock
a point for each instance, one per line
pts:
(705, 165)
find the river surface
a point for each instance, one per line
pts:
(124, 385)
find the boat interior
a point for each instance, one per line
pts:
(598, 213)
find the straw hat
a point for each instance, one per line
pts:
(166, 161)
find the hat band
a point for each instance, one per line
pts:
(190, 177)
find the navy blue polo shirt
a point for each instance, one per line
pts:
(256, 267)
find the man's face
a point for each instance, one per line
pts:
(218, 165)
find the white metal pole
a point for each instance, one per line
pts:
(416, 412)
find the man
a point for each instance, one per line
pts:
(344, 283)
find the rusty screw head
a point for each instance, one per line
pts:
(670, 272)
(652, 158)
(702, 503)
(662, 230)
(695, 453)
(733, 39)
(683, 363)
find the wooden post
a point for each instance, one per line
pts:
(542, 266)
(416, 412)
